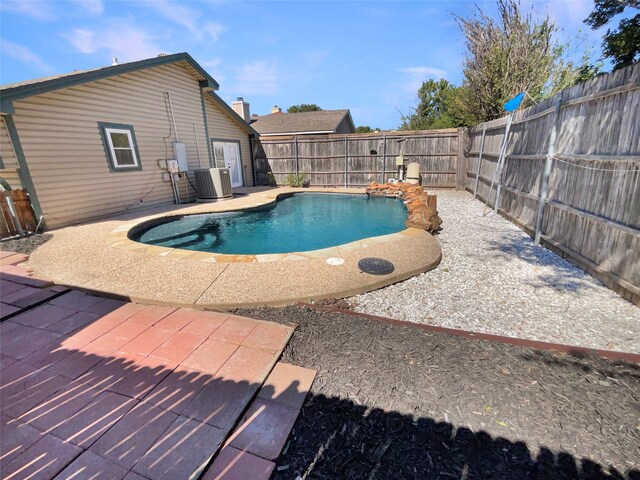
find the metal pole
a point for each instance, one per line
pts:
(13, 213)
(544, 184)
(346, 161)
(173, 118)
(475, 186)
(498, 163)
(500, 166)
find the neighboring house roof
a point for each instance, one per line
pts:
(28, 88)
(323, 121)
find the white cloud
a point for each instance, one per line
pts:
(188, 18)
(125, 42)
(91, 7)
(424, 72)
(212, 63)
(211, 66)
(180, 14)
(36, 10)
(416, 75)
(314, 58)
(258, 78)
(23, 54)
(83, 39)
(214, 30)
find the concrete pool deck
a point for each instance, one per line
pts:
(99, 257)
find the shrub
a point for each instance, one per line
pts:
(296, 180)
(272, 179)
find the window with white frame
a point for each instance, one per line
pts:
(120, 144)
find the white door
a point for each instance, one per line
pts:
(227, 154)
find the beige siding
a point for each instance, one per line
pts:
(222, 125)
(10, 172)
(344, 126)
(6, 148)
(64, 149)
(12, 177)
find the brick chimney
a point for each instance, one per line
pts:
(242, 108)
(276, 109)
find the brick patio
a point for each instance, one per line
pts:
(97, 386)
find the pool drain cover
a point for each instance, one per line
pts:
(376, 266)
(335, 261)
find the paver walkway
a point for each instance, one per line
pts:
(94, 386)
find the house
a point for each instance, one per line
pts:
(322, 122)
(94, 143)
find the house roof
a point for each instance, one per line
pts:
(323, 121)
(36, 86)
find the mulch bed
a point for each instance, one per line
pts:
(395, 401)
(26, 244)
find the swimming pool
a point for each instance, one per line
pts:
(297, 223)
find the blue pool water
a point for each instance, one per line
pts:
(298, 223)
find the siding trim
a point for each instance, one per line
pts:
(105, 143)
(23, 171)
(6, 106)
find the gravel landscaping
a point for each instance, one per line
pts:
(493, 279)
(395, 401)
(25, 244)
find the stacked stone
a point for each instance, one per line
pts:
(421, 207)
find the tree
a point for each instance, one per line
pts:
(621, 45)
(304, 107)
(438, 107)
(366, 129)
(512, 54)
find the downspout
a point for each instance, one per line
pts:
(203, 85)
(172, 176)
(23, 171)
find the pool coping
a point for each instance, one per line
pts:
(99, 258)
(119, 237)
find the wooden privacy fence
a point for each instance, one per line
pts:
(24, 213)
(21, 202)
(571, 175)
(357, 159)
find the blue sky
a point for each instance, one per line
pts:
(370, 57)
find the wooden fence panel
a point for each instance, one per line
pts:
(369, 157)
(24, 212)
(591, 209)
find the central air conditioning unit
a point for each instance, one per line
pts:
(213, 183)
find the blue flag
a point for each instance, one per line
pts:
(514, 103)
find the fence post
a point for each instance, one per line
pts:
(384, 156)
(475, 186)
(461, 164)
(295, 143)
(548, 163)
(346, 161)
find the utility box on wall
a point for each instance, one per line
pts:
(180, 155)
